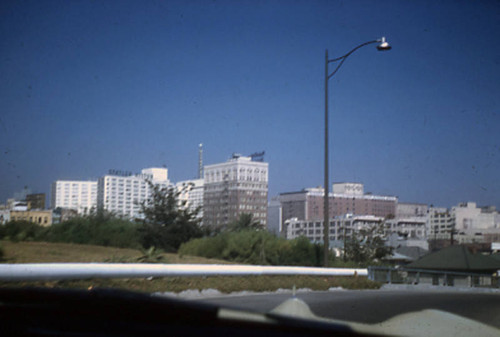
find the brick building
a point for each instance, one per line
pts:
(347, 198)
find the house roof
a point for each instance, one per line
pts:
(456, 258)
(413, 252)
(395, 256)
(496, 256)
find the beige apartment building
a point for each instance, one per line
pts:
(237, 186)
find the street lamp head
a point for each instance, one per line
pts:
(384, 45)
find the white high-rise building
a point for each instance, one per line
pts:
(122, 193)
(80, 196)
(191, 192)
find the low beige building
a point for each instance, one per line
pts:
(43, 218)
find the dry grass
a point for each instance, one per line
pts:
(42, 252)
(39, 252)
(225, 284)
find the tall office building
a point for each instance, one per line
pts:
(122, 193)
(237, 186)
(80, 196)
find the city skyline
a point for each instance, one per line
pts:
(86, 87)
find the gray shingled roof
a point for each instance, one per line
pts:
(496, 256)
(413, 252)
(457, 258)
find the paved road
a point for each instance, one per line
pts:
(372, 306)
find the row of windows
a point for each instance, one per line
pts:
(236, 214)
(317, 238)
(40, 220)
(234, 185)
(234, 171)
(135, 202)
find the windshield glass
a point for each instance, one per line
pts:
(355, 135)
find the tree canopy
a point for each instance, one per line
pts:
(366, 245)
(244, 222)
(168, 222)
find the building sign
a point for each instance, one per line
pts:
(348, 188)
(120, 173)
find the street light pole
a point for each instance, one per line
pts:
(383, 45)
(326, 222)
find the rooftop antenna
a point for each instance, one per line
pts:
(200, 161)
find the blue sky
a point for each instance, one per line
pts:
(87, 86)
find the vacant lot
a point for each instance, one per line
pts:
(39, 252)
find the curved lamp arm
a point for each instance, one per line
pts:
(381, 47)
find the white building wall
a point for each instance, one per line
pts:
(411, 228)
(191, 193)
(466, 215)
(239, 169)
(340, 227)
(274, 217)
(80, 196)
(411, 210)
(439, 223)
(4, 216)
(469, 222)
(348, 188)
(123, 195)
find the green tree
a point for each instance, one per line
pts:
(244, 222)
(367, 245)
(167, 221)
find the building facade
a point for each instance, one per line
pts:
(36, 201)
(440, 223)
(274, 217)
(40, 217)
(347, 198)
(411, 228)
(237, 186)
(408, 232)
(406, 210)
(341, 227)
(464, 223)
(475, 224)
(77, 195)
(123, 193)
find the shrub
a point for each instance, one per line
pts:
(102, 229)
(209, 247)
(21, 231)
(96, 231)
(256, 247)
